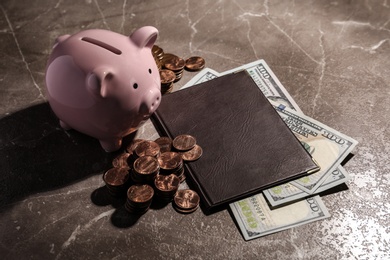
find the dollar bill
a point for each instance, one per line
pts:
(287, 193)
(326, 145)
(204, 75)
(255, 218)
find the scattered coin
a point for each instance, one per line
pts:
(193, 154)
(194, 63)
(184, 142)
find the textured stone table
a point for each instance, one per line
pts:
(332, 56)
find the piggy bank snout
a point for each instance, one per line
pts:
(150, 102)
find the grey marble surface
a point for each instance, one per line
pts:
(332, 56)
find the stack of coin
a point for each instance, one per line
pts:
(175, 64)
(167, 78)
(166, 186)
(145, 169)
(186, 201)
(171, 163)
(139, 198)
(157, 53)
(116, 180)
(147, 147)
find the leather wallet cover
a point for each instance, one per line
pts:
(246, 145)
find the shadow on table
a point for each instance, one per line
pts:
(36, 154)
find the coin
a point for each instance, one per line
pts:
(184, 142)
(194, 63)
(146, 165)
(170, 160)
(116, 180)
(193, 154)
(131, 147)
(186, 201)
(140, 193)
(174, 63)
(147, 147)
(167, 183)
(167, 76)
(121, 161)
(139, 198)
(165, 143)
(116, 176)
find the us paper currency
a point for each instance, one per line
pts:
(287, 193)
(326, 145)
(255, 218)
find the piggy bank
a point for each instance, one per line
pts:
(104, 84)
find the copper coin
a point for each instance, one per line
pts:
(146, 165)
(131, 147)
(174, 64)
(184, 142)
(170, 160)
(167, 56)
(165, 143)
(167, 76)
(140, 193)
(121, 161)
(116, 176)
(167, 182)
(195, 63)
(186, 199)
(193, 154)
(147, 147)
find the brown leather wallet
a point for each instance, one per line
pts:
(247, 147)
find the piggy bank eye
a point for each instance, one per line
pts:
(150, 71)
(135, 85)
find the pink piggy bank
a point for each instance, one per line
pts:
(104, 84)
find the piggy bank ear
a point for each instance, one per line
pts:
(145, 36)
(98, 80)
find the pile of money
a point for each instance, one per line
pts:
(296, 202)
(152, 170)
(171, 67)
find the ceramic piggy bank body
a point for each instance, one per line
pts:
(104, 84)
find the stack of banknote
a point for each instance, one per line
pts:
(297, 202)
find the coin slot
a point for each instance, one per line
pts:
(102, 45)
